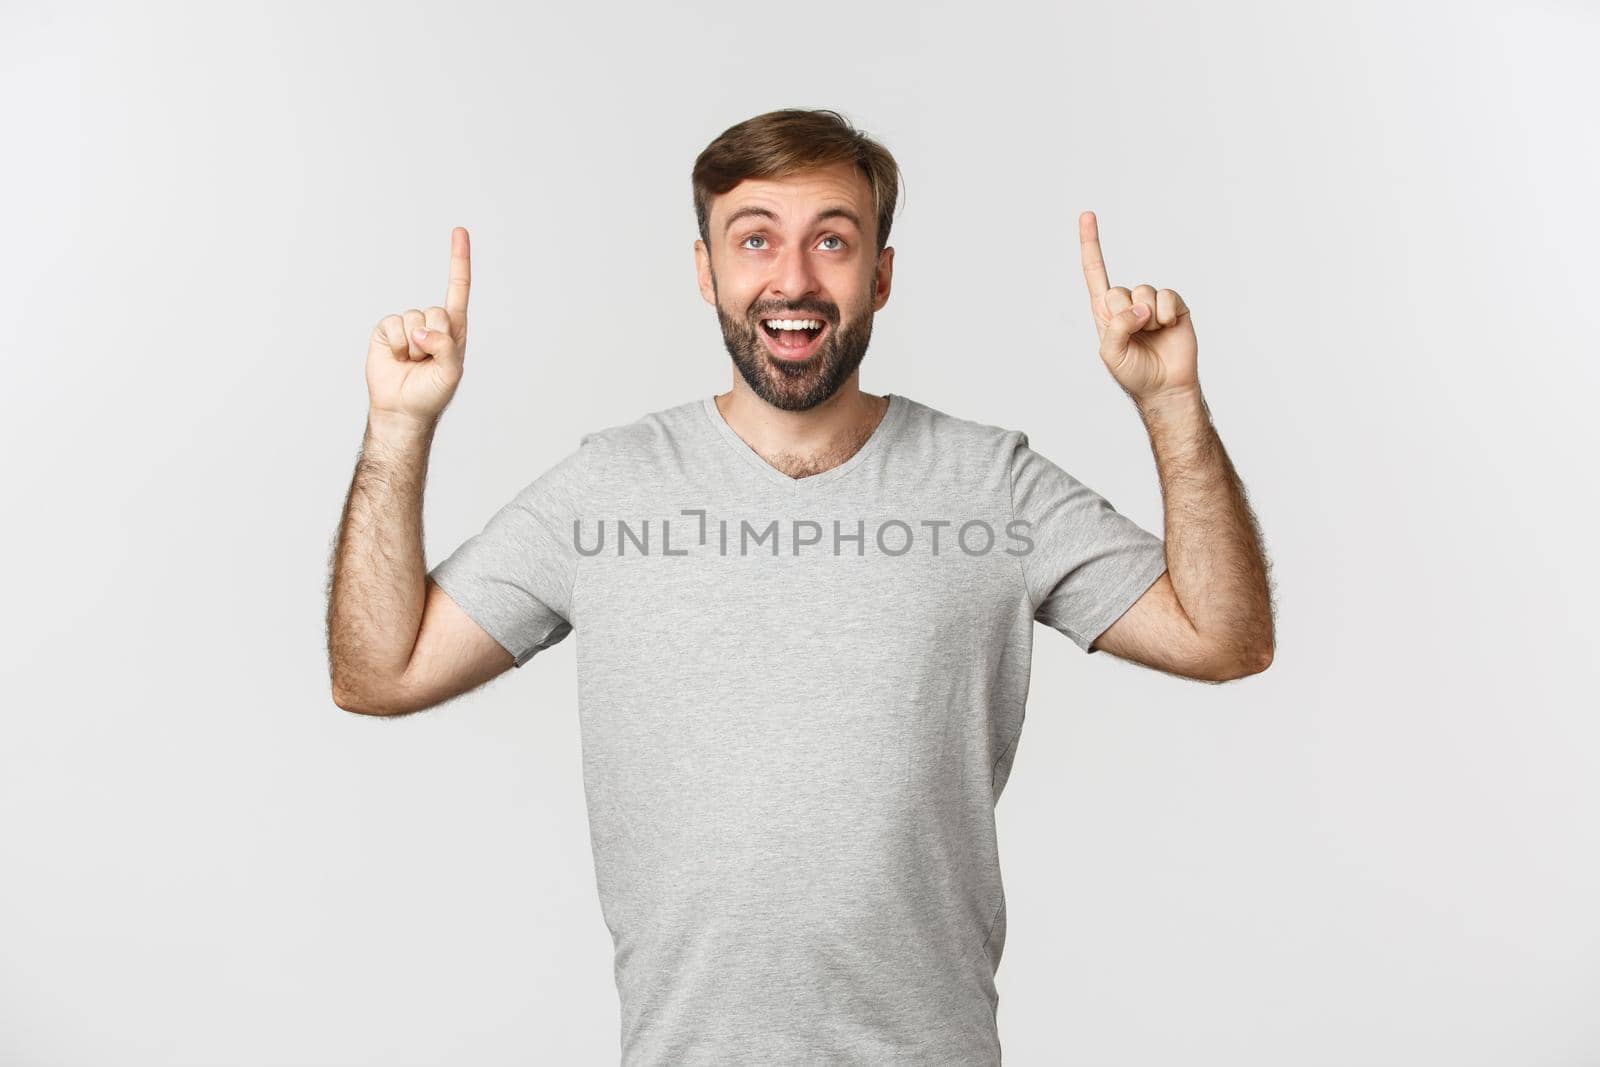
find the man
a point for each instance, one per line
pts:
(805, 620)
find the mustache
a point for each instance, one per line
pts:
(808, 311)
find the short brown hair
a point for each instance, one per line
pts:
(784, 142)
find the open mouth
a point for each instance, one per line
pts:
(793, 339)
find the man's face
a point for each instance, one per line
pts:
(796, 248)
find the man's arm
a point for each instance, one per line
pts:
(396, 642)
(1210, 615)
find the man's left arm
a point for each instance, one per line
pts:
(1215, 596)
(1210, 615)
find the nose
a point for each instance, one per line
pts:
(794, 275)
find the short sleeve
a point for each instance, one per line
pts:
(1088, 562)
(515, 577)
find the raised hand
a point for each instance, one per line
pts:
(1147, 338)
(414, 359)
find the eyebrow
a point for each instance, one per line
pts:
(825, 213)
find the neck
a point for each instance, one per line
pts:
(803, 443)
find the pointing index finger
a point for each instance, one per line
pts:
(1094, 264)
(455, 294)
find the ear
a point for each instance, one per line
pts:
(702, 270)
(883, 278)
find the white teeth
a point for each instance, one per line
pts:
(794, 324)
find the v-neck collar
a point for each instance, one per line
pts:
(874, 440)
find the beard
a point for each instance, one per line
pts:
(796, 385)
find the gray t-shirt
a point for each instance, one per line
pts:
(799, 701)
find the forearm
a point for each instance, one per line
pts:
(378, 584)
(1214, 551)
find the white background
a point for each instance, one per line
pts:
(1384, 850)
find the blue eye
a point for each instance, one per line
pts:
(759, 237)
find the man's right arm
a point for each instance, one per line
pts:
(396, 642)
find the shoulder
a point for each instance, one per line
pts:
(642, 444)
(962, 445)
(644, 431)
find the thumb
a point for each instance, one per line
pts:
(1122, 326)
(436, 343)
